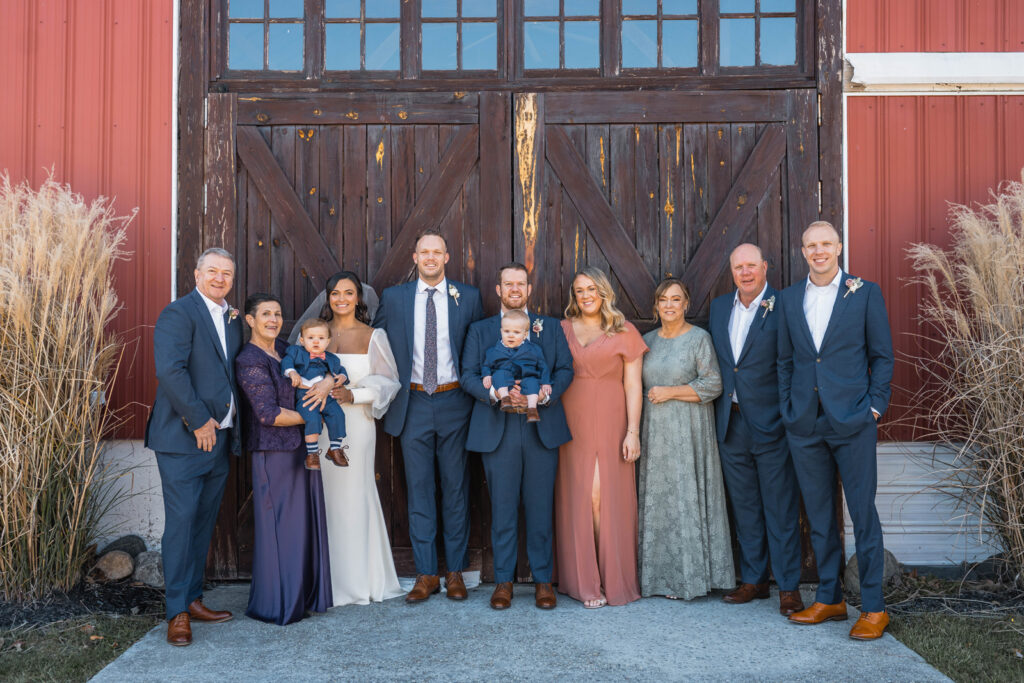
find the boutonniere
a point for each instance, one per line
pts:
(538, 326)
(768, 305)
(232, 314)
(852, 285)
(454, 293)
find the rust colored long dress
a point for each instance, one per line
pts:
(595, 408)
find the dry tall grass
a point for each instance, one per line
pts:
(973, 400)
(57, 359)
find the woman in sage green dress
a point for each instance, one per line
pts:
(685, 546)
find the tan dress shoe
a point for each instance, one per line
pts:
(179, 630)
(790, 602)
(747, 592)
(200, 612)
(426, 585)
(870, 626)
(544, 596)
(338, 457)
(312, 461)
(501, 598)
(819, 612)
(532, 415)
(454, 586)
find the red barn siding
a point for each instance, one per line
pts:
(909, 157)
(87, 90)
(934, 26)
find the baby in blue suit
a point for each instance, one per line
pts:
(512, 358)
(306, 363)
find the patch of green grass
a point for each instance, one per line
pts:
(965, 648)
(73, 650)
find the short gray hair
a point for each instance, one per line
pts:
(214, 251)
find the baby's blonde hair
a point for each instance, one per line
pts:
(515, 315)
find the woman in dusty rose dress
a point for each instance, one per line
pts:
(595, 492)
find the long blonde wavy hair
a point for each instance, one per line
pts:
(612, 320)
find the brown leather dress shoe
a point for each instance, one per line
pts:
(747, 592)
(870, 626)
(501, 598)
(454, 586)
(819, 612)
(200, 612)
(544, 596)
(312, 461)
(179, 630)
(790, 602)
(426, 585)
(338, 457)
(532, 415)
(506, 404)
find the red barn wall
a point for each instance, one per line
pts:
(934, 26)
(87, 90)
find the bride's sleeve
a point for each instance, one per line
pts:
(379, 387)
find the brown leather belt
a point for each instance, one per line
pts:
(518, 410)
(440, 387)
(735, 407)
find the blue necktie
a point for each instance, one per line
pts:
(430, 346)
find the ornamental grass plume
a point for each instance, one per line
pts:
(58, 358)
(973, 396)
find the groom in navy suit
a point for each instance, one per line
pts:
(520, 458)
(835, 365)
(426, 322)
(751, 439)
(192, 428)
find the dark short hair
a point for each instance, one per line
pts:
(362, 312)
(310, 323)
(663, 287)
(513, 265)
(429, 232)
(254, 300)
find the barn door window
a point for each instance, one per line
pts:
(757, 33)
(362, 35)
(561, 34)
(265, 35)
(459, 35)
(660, 34)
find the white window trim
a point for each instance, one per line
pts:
(906, 72)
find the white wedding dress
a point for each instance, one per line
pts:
(362, 568)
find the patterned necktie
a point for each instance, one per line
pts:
(430, 345)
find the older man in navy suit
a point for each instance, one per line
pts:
(751, 439)
(192, 428)
(520, 458)
(835, 365)
(426, 322)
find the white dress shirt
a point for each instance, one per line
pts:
(739, 325)
(445, 363)
(818, 304)
(217, 312)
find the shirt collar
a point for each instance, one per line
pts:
(212, 305)
(753, 304)
(441, 286)
(834, 283)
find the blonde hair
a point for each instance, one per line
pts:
(516, 315)
(612, 319)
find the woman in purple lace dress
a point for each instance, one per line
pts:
(291, 568)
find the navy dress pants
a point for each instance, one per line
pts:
(332, 415)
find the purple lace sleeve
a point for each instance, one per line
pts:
(258, 386)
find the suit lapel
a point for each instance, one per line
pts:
(837, 309)
(409, 304)
(801, 292)
(453, 310)
(722, 332)
(207, 322)
(760, 317)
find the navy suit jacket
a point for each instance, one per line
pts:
(851, 373)
(487, 425)
(754, 375)
(196, 380)
(396, 315)
(297, 358)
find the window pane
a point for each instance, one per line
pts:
(245, 47)
(382, 46)
(679, 43)
(778, 41)
(341, 9)
(284, 47)
(582, 44)
(541, 8)
(479, 45)
(286, 9)
(439, 44)
(778, 6)
(640, 44)
(679, 6)
(639, 7)
(540, 44)
(439, 8)
(479, 8)
(246, 9)
(737, 42)
(730, 6)
(582, 8)
(341, 47)
(382, 9)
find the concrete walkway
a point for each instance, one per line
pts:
(652, 639)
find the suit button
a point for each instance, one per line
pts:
(819, 360)
(735, 369)
(815, 388)
(227, 405)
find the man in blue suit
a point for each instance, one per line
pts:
(835, 365)
(751, 439)
(520, 458)
(192, 428)
(426, 322)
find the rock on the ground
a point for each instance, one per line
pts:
(131, 544)
(149, 569)
(117, 564)
(851, 575)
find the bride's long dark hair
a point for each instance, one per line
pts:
(362, 312)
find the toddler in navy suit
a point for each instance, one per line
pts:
(306, 363)
(512, 358)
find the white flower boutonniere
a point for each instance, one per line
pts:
(454, 293)
(768, 305)
(232, 314)
(538, 326)
(852, 285)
